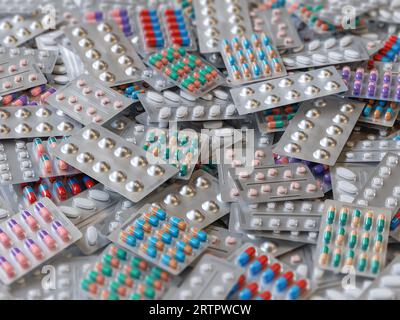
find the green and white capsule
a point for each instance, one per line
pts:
(344, 213)
(368, 220)
(380, 223)
(375, 264)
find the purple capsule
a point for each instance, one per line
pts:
(346, 72)
(359, 74)
(387, 76)
(398, 79)
(373, 75)
(318, 169)
(371, 89)
(398, 92)
(357, 88)
(327, 178)
(385, 90)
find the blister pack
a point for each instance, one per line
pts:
(320, 129)
(265, 277)
(217, 105)
(380, 113)
(280, 28)
(188, 71)
(291, 89)
(276, 119)
(87, 100)
(353, 238)
(280, 216)
(35, 121)
(251, 59)
(32, 237)
(162, 239)
(368, 150)
(222, 242)
(331, 51)
(162, 27)
(386, 285)
(156, 80)
(275, 183)
(17, 74)
(47, 165)
(119, 275)
(382, 188)
(45, 59)
(106, 53)
(212, 278)
(108, 160)
(219, 20)
(348, 180)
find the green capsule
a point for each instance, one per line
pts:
(183, 170)
(186, 83)
(343, 216)
(353, 239)
(182, 52)
(375, 265)
(136, 296)
(113, 296)
(362, 263)
(166, 154)
(135, 273)
(328, 234)
(146, 146)
(202, 79)
(291, 116)
(330, 217)
(368, 221)
(114, 286)
(121, 278)
(149, 293)
(365, 241)
(121, 254)
(156, 272)
(380, 224)
(93, 275)
(340, 236)
(356, 218)
(337, 255)
(106, 270)
(85, 284)
(350, 258)
(154, 59)
(170, 58)
(191, 65)
(174, 75)
(151, 136)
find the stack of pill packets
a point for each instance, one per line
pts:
(200, 150)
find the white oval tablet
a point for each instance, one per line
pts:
(198, 112)
(61, 80)
(314, 45)
(215, 111)
(59, 70)
(230, 110)
(99, 195)
(390, 281)
(330, 43)
(207, 97)
(70, 212)
(303, 60)
(347, 186)
(220, 94)
(319, 58)
(346, 174)
(83, 203)
(164, 113)
(353, 54)
(381, 294)
(345, 41)
(172, 96)
(336, 56)
(91, 236)
(154, 96)
(187, 96)
(289, 62)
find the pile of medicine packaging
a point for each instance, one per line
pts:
(191, 150)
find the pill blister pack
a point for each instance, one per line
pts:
(266, 278)
(119, 275)
(280, 216)
(380, 113)
(320, 129)
(368, 150)
(163, 239)
(222, 242)
(35, 121)
(108, 158)
(332, 51)
(17, 74)
(348, 180)
(212, 278)
(276, 119)
(45, 164)
(162, 27)
(217, 20)
(106, 53)
(291, 89)
(156, 80)
(45, 59)
(279, 26)
(251, 59)
(33, 97)
(33, 236)
(353, 238)
(382, 188)
(275, 183)
(87, 100)
(187, 70)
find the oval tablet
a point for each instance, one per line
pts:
(381, 294)
(99, 195)
(345, 41)
(390, 281)
(154, 96)
(220, 94)
(303, 60)
(70, 212)
(336, 56)
(330, 43)
(314, 45)
(289, 62)
(319, 58)
(385, 13)
(346, 174)
(172, 96)
(83, 203)
(91, 236)
(347, 187)
(187, 96)
(353, 54)
(61, 79)
(207, 97)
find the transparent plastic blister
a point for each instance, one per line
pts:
(380, 113)
(275, 183)
(219, 20)
(107, 161)
(156, 80)
(86, 100)
(265, 277)
(35, 121)
(211, 278)
(353, 239)
(276, 119)
(119, 275)
(162, 239)
(331, 51)
(222, 242)
(320, 129)
(368, 150)
(251, 59)
(348, 180)
(32, 237)
(106, 53)
(290, 89)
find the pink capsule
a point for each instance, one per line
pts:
(48, 240)
(17, 229)
(34, 249)
(7, 267)
(41, 210)
(30, 220)
(20, 257)
(61, 231)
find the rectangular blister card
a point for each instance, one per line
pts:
(379, 113)
(35, 121)
(279, 26)
(87, 100)
(331, 51)
(219, 20)
(276, 119)
(291, 89)
(275, 183)
(382, 189)
(18, 74)
(106, 53)
(111, 160)
(320, 130)
(32, 237)
(188, 71)
(353, 237)
(222, 242)
(348, 180)
(251, 59)
(119, 275)
(281, 216)
(265, 277)
(162, 239)
(368, 150)
(211, 278)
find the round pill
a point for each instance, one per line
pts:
(3, 213)
(61, 80)
(215, 111)
(182, 112)
(59, 70)
(164, 113)
(91, 235)
(198, 112)
(83, 203)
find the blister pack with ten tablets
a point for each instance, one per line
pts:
(163, 239)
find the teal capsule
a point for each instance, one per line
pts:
(375, 265)
(362, 263)
(330, 217)
(353, 239)
(380, 223)
(337, 255)
(368, 221)
(328, 234)
(343, 216)
(365, 241)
